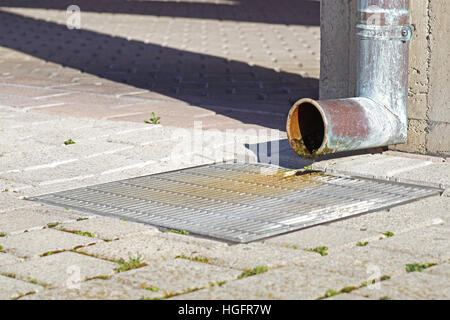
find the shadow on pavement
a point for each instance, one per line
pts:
(228, 87)
(289, 12)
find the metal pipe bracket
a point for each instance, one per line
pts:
(371, 32)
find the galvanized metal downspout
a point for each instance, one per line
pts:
(378, 115)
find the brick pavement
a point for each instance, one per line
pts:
(229, 64)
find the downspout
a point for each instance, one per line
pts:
(378, 116)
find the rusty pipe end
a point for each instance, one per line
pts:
(316, 128)
(307, 129)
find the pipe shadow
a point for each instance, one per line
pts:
(231, 88)
(288, 12)
(280, 153)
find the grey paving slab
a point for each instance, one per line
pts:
(6, 258)
(408, 217)
(39, 156)
(413, 286)
(105, 164)
(35, 243)
(93, 290)
(433, 241)
(176, 276)
(10, 202)
(108, 228)
(66, 269)
(439, 270)
(153, 248)
(242, 256)
(408, 170)
(367, 263)
(283, 283)
(156, 248)
(29, 219)
(13, 288)
(322, 236)
(435, 173)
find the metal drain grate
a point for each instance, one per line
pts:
(238, 202)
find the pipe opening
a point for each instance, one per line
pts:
(312, 127)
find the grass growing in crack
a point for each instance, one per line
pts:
(84, 233)
(9, 275)
(101, 277)
(348, 289)
(82, 219)
(362, 244)
(372, 282)
(389, 234)
(196, 259)
(253, 272)
(183, 232)
(52, 224)
(385, 298)
(152, 289)
(69, 142)
(123, 219)
(173, 294)
(415, 267)
(132, 263)
(331, 293)
(320, 250)
(49, 253)
(2, 234)
(1, 248)
(153, 120)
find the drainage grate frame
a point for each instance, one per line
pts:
(238, 202)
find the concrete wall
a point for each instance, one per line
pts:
(429, 72)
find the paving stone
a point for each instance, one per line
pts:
(441, 270)
(176, 276)
(431, 241)
(414, 286)
(408, 170)
(320, 236)
(242, 256)
(108, 228)
(34, 243)
(28, 219)
(6, 258)
(93, 290)
(39, 156)
(9, 202)
(13, 288)
(365, 263)
(435, 173)
(286, 283)
(64, 269)
(155, 248)
(400, 219)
